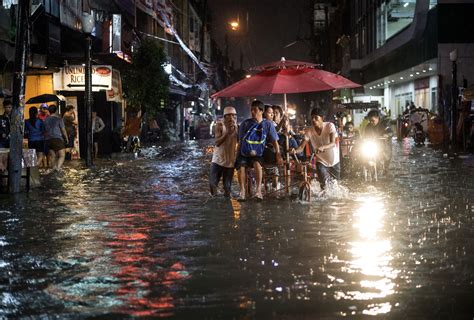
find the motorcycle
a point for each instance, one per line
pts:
(419, 134)
(131, 144)
(372, 159)
(403, 127)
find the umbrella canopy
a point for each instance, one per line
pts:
(286, 77)
(285, 64)
(44, 98)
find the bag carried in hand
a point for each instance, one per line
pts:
(253, 142)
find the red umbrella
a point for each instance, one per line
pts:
(286, 77)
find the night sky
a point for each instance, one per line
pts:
(272, 24)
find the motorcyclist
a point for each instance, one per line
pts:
(132, 129)
(379, 128)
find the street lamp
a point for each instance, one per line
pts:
(87, 26)
(453, 56)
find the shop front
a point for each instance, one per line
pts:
(107, 101)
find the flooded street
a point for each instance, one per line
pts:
(142, 238)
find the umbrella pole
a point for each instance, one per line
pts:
(287, 151)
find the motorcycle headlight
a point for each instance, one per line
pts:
(370, 149)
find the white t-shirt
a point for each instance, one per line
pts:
(225, 154)
(329, 157)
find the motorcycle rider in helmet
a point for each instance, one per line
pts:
(379, 128)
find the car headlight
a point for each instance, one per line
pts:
(370, 149)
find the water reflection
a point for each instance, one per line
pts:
(371, 256)
(143, 239)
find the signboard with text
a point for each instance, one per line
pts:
(72, 78)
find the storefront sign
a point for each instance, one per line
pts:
(72, 78)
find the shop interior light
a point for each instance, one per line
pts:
(424, 70)
(401, 78)
(430, 68)
(393, 80)
(234, 25)
(411, 74)
(405, 5)
(248, 76)
(417, 72)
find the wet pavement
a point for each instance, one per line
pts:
(141, 238)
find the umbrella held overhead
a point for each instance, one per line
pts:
(283, 77)
(43, 98)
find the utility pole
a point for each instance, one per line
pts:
(454, 99)
(22, 50)
(88, 24)
(88, 100)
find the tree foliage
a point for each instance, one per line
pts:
(145, 83)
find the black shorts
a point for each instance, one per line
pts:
(55, 144)
(95, 137)
(37, 145)
(247, 162)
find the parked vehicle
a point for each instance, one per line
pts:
(403, 127)
(418, 134)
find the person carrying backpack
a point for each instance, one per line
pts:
(253, 135)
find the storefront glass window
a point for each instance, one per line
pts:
(399, 15)
(401, 101)
(392, 17)
(433, 3)
(8, 3)
(434, 99)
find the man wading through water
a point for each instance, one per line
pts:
(253, 135)
(223, 158)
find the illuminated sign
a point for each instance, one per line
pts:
(72, 78)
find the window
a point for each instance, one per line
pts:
(381, 25)
(433, 3)
(421, 98)
(8, 3)
(401, 101)
(392, 17)
(434, 99)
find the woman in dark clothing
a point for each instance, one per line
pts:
(34, 131)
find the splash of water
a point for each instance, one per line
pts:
(151, 152)
(333, 190)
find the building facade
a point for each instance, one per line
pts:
(58, 46)
(400, 51)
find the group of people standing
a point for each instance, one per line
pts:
(243, 147)
(51, 135)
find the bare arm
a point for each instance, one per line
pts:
(301, 146)
(220, 137)
(66, 138)
(101, 125)
(276, 145)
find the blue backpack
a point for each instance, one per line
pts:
(253, 142)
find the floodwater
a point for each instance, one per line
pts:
(141, 238)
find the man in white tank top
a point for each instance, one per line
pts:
(223, 158)
(322, 136)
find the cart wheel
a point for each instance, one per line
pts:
(305, 192)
